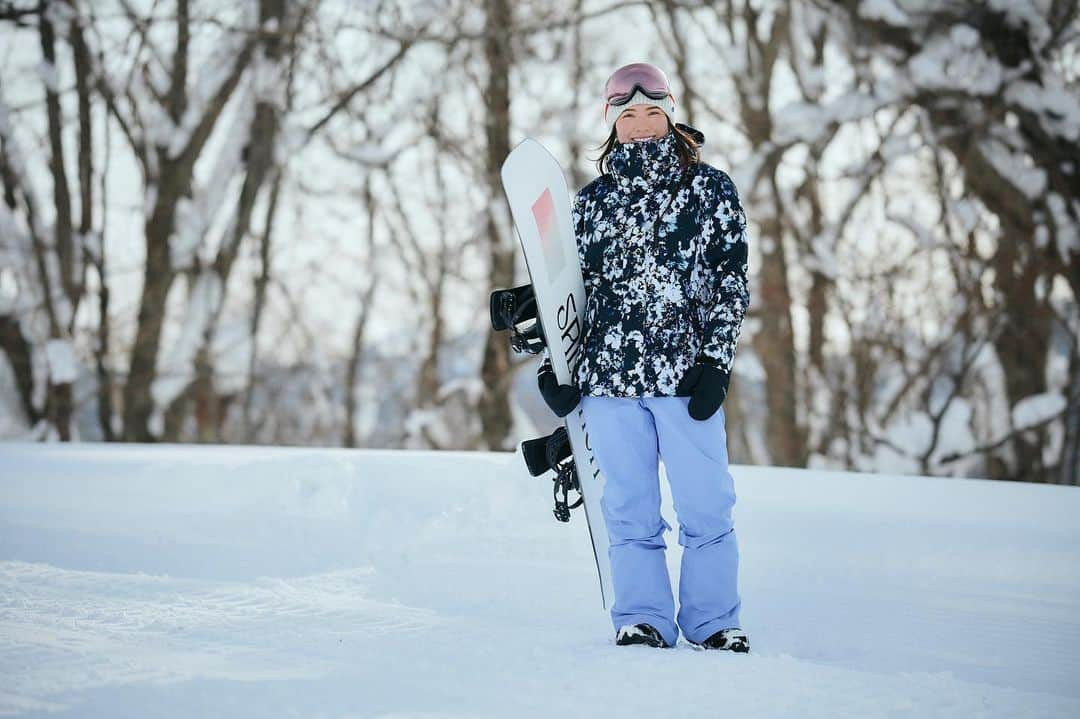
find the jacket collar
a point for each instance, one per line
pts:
(654, 163)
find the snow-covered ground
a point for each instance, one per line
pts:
(144, 581)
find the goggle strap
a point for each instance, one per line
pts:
(638, 88)
(607, 105)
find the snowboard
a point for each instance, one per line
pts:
(540, 203)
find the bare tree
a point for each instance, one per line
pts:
(57, 254)
(494, 406)
(259, 141)
(1005, 129)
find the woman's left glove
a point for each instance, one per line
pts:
(707, 388)
(561, 398)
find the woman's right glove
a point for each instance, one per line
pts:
(707, 387)
(561, 398)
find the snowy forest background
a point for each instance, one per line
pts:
(276, 221)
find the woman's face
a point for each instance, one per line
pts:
(641, 122)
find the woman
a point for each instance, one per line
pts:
(663, 250)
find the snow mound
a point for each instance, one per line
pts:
(197, 581)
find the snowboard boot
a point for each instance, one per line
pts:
(732, 639)
(640, 634)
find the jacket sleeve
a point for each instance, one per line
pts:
(726, 256)
(580, 221)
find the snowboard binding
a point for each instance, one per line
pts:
(553, 452)
(513, 310)
(544, 454)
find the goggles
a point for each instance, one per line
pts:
(628, 79)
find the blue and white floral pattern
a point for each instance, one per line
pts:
(658, 298)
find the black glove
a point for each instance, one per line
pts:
(706, 386)
(562, 398)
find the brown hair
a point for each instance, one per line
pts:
(685, 145)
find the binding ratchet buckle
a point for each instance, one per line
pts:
(554, 453)
(515, 310)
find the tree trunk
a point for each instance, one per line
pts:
(775, 344)
(494, 405)
(158, 277)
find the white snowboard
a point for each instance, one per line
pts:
(540, 204)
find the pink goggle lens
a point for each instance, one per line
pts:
(620, 86)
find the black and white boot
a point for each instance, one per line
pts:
(645, 634)
(732, 639)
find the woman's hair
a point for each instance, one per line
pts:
(684, 144)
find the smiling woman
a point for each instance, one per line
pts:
(662, 245)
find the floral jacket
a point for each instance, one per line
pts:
(663, 253)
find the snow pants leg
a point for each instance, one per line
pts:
(628, 437)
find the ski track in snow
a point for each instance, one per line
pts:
(63, 630)
(186, 582)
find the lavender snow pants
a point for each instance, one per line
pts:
(628, 436)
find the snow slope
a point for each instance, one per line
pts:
(221, 581)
